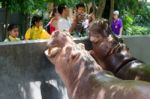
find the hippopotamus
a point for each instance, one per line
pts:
(113, 55)
(84, 78)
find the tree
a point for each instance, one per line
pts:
(111, 9)
(101, 8)
(23, 6)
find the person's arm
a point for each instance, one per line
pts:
(55, 24)
(6, 40)
(121, 29)
(73, 25)
(45, 35)
(91, 18)
(27, 34)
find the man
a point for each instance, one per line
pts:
(80, 21)
(64, 22)
(116, 25)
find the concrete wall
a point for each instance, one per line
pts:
(139, 47)
(25, 72)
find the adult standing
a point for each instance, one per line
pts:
(64, 22)
(116, 25)
(52, 25)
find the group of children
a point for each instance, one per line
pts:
(36, 31)
(60, 20)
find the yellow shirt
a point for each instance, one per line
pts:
(10, 38)
(35, 33)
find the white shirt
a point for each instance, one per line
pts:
(64, 24)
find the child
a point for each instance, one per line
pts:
(36, 31)
(13, 32)
(80, 21)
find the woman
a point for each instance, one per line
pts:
(36, 31)
(53, 21)
(116, 25)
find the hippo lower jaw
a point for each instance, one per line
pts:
(52, 52)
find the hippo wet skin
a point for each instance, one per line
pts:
(114, 55)
(84, 78)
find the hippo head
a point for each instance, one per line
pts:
(99, 30)
(59, 39)
(62, 52)
(55, 45)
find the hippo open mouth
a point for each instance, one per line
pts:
(53, 46)
(57, 42)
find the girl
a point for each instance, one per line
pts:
(13, 32)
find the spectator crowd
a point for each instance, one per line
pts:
(60, 20)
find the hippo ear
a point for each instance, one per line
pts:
(105, 27)
(55, 33)
(104, 24)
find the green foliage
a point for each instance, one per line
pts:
(70, 3)
(23, 6)
(136, 17)
(137, 30)
(127, 19)
(128, 5)
(28, 6)
(134, 26)
(143, 16)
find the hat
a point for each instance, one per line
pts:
(116, 12)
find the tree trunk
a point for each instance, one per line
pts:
(101, 8)
(111, 10)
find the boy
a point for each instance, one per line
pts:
(80, 21)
